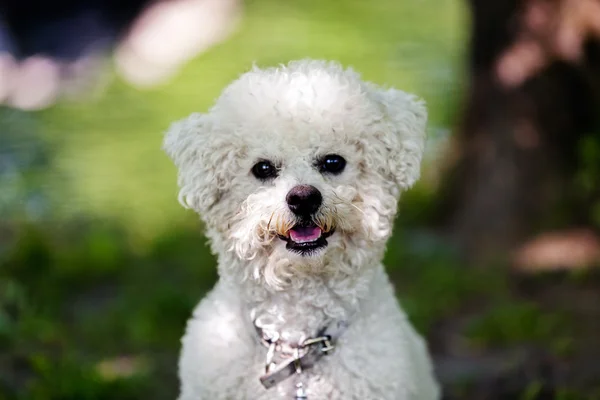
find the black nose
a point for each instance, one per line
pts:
(304, 200)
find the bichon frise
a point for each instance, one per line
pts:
(297, 172)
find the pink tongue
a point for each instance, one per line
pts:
(305, 234)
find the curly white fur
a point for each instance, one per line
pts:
(292, 115)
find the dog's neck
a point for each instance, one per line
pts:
(307, 304)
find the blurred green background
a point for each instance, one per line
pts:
(100, 267)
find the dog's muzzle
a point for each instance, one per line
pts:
(306, 237)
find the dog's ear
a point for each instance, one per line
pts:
(188, 142)
(406, 116)
(181, 136)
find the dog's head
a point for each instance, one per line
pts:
(298, 169)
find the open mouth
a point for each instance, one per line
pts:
(306, 238)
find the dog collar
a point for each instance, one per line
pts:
(303, 355)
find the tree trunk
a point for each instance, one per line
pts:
(516, 147)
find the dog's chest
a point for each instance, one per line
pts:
(300, 313)
(223, 359)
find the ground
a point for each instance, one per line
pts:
(101, 268)
(98, 333)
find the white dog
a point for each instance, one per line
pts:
(297, 172)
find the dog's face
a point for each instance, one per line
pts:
(299, 169)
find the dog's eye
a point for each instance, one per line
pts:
(332, 164)
(264, 170)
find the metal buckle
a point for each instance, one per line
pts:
(304, 356)
(325, 340)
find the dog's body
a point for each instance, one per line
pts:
(297, 172)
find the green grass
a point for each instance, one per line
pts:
(66, 311)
